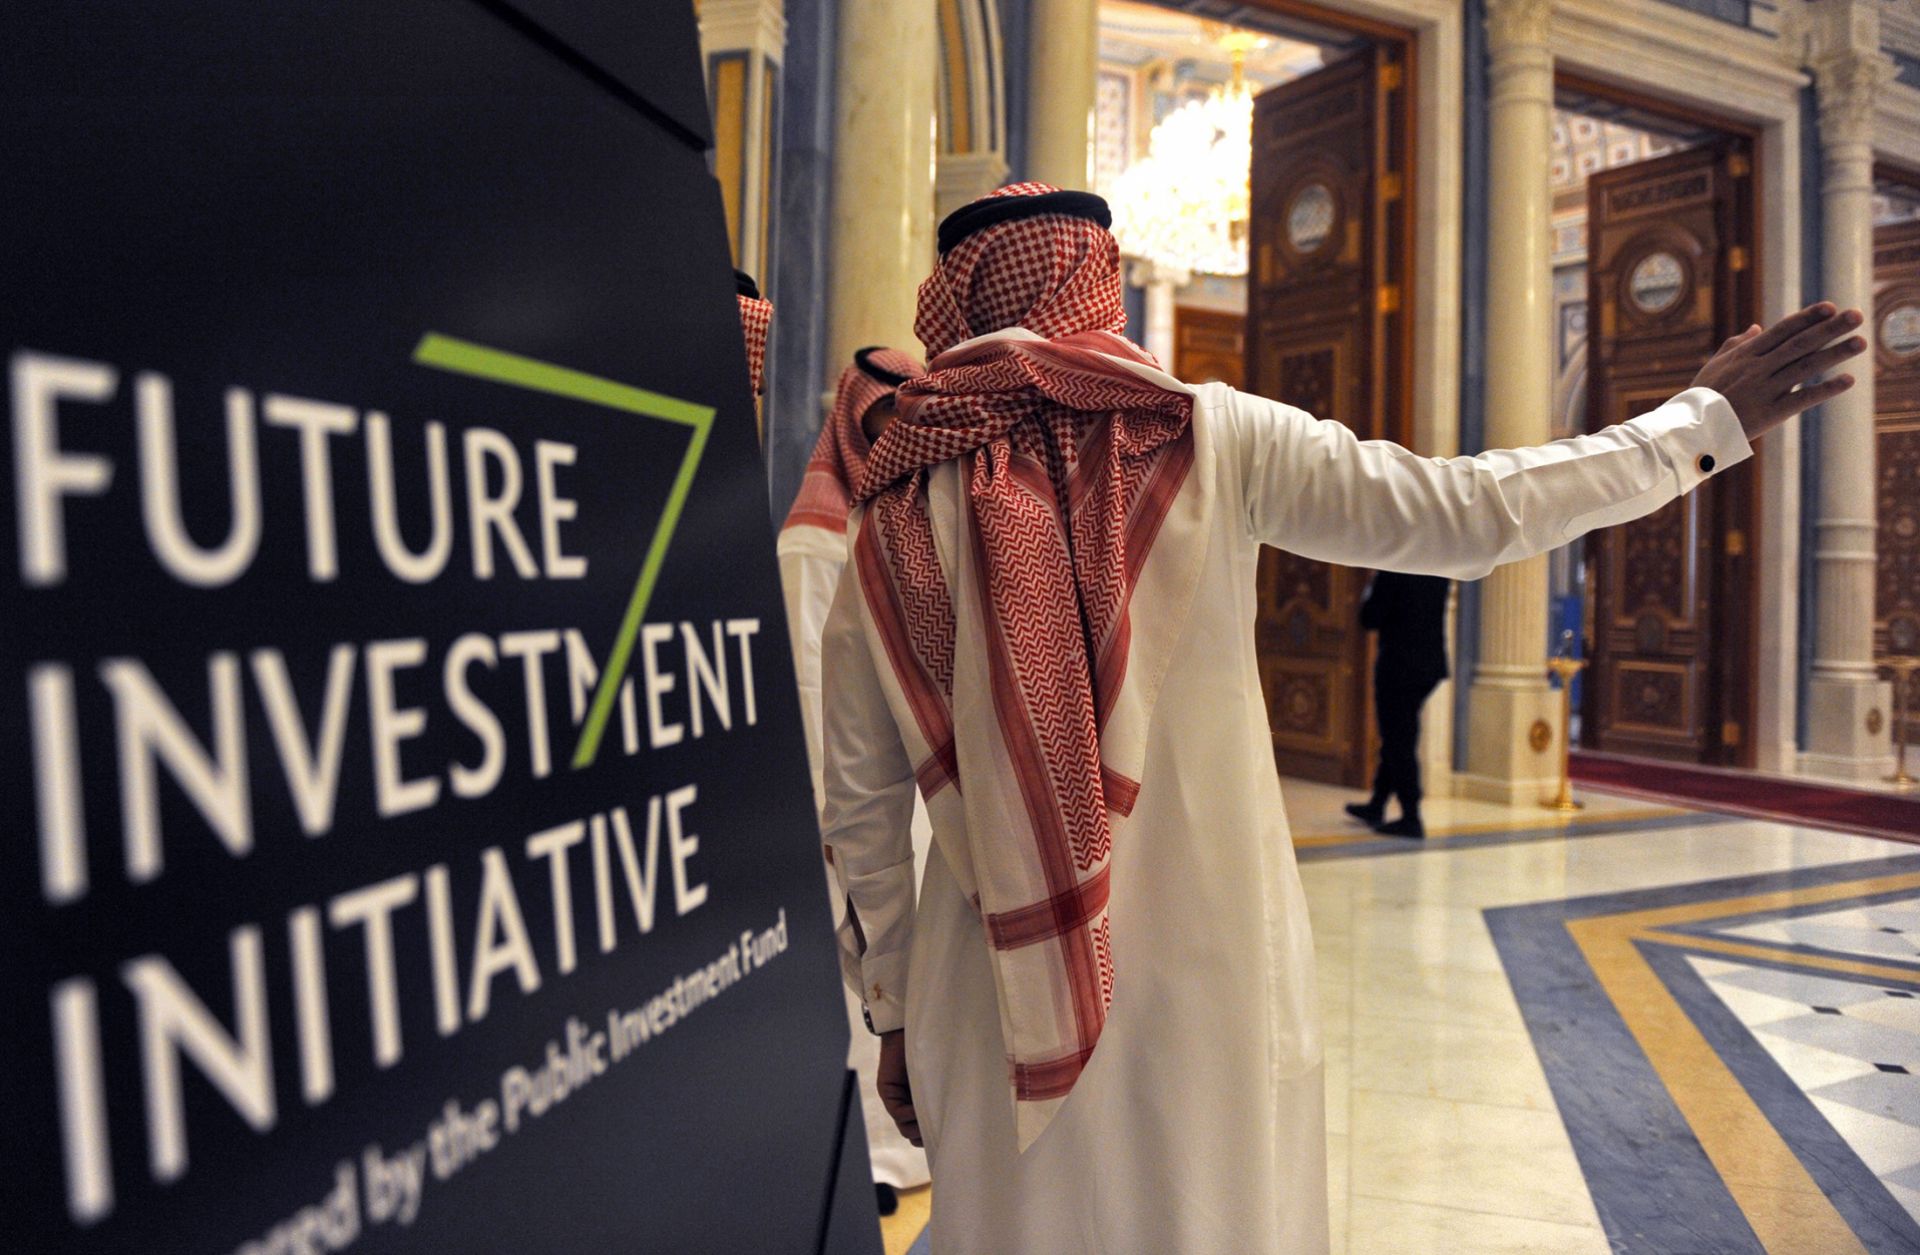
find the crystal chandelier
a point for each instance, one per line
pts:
(1183, 207)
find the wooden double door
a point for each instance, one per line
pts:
(1670, 276)
(1327, 331)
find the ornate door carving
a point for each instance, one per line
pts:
(1896, 341)
(1209, 345)
(1326, 331)
(1670, 277)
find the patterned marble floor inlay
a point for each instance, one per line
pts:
(1851, 1045)
(1777, 1076)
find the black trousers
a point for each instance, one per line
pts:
(1396, 707)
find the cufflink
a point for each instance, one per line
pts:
(866, 1013)
(1707, 464)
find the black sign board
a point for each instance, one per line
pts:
(409, 838)
(657, 61)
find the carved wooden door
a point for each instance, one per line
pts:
(1209, 345)
(1896, 341)
(1670, 276)
(1326, 331)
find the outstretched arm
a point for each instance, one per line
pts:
(1314, 489)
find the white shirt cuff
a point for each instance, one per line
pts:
(885, 995)
(1696, 435)
(884, 901)
(1713, 443)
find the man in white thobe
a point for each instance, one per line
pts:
(813, 550)
(1101, 1016)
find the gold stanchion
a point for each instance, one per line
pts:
(1903, 669)
(1566, 667)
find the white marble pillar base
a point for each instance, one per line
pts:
(1842, 715)
(1502, 765)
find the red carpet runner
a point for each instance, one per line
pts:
(1894, 816)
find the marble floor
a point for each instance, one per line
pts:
(1635, 1030)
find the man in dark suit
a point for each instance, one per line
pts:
(1409, 612)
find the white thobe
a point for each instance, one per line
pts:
(810, 562)
(1198, 1124)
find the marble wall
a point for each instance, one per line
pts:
(1812, 220)
(797, 351)
(1473, 332)
(1014, 45)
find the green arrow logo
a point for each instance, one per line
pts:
(463, 357)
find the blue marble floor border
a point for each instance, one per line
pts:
(1372, 848)
(1653, 1186)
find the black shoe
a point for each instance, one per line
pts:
(1367, 813)
(888, 1199)
(1405, 826)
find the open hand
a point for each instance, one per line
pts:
(896, 1095)
(1767, 376)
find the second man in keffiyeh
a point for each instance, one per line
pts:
(813, 552)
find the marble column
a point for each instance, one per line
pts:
(1159, 282)
(882, 243)
(742, 43)
(1511, 706)
(1063, 51)
(1848, 705)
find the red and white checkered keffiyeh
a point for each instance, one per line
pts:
(756, 317)
(1069, 463)
(840, 455)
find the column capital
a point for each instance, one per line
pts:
(962, 177)
(757, 24)
(1517, 25)
(1839, 41)
(1145, 272)
(1831, 27)
(1848, 83)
